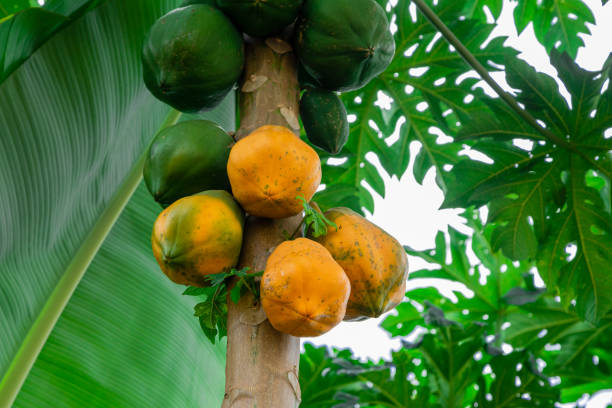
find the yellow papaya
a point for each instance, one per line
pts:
(374, 261)
(197, 236)
(269, 168)
(303, 290)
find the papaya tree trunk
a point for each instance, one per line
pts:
(262, 363)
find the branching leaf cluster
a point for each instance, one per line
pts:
(212, 310)
(314, 220)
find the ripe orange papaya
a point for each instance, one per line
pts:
(374, 261)
(269, 168)
(197, 236)
(303, 290)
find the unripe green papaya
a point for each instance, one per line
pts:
(343, 44)
(192, 57)
(324, 119)
(191, 2)
(305, 79)
(185, 159)
(260, 18)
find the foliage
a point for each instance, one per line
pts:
(30, 27)
(79, 118)
(76, 119)
(547, 197)
(503, 346)
(212, 310)
(314, 220)
(545, 202)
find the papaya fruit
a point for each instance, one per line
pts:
(192, 57)
(303, 290)
(343, 44)
(197, 236)
(260, 18)
(305, 79)
(374, 261)
(269, 169)
(191, 2)
(185, 159)
(324, 118)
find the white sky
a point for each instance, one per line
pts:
(411, 213)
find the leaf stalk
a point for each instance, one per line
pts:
(484, 74)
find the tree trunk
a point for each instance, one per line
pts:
(262, 363)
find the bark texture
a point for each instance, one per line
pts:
(262, 363)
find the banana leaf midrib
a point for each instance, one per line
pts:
(45, 321)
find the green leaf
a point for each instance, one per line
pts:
(540, 201)
(528, 323)
(451, 357)
(521, 296)
(346, 182)
(236, 291)
(78, 119)
(517, 383)
(556, 23)
(315, 222)
(217, 278)
(9, 7)
(404, 322)
(22, 33)
(388, 385)
(193, 291)
(585, 225)
(119, 333)
(320, 378)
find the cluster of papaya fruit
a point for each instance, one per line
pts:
(206, 182)
(194, 55)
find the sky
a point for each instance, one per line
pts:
(410, 211)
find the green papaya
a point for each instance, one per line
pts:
(324, 119)
(191, 2)
(305, 79)
(343, 44)
(260, 18)
(192, 57)
(185, 159)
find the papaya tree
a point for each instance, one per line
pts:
(90, 98)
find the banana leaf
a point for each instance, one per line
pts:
(75, 119)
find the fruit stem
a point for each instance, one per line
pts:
(505, 96)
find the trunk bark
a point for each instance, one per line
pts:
(262, 363)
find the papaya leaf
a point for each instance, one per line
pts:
(423, 84)
(212, 312)
(449, 353)
(405, 320)
(321, 382)
(520, 296)
(517, 382)
(389, 386)
(314, 220)
(195, 291)
(475, 8)
(556, 23)
(541, 204)
(453, 264)
(415, 99)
